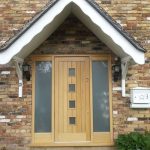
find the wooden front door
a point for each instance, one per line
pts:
(72, 99)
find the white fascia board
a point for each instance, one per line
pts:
(35, 29)
(86, 8)
(108, 29)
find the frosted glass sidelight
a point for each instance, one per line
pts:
(100, 79)
(43, 96)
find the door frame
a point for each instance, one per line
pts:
(48, 139)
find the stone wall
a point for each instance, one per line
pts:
(74, 38)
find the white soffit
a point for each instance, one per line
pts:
(49, 22)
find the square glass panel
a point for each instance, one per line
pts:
(72, 104)
(71, 71)
(71, 87)
(72, 120)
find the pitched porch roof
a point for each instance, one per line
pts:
(92, 15)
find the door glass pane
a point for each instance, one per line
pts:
(71, 87)
(71, 71)
(43, 96)
(72, 120)
(101, 118)
(72, 104)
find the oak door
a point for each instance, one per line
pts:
(72, 99)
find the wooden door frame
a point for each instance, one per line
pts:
(37, 138)
(97, 134)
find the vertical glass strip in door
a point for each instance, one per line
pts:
(100, 80)
(43, 97)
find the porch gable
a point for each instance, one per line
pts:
(94, 17)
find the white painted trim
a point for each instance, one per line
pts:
(18, 64)
(126, 59)
(20, 91)
(19, 69)
(17, 59)
(108, 30)
(124, 69)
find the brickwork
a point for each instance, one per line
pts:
(15, 113)
(74, 38)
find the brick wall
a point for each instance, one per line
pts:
(15, 113)
(71, 37)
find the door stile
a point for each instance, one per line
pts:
(91, 99)
(87, 87)
(53, 97)
(78, 102)
(56, 101)
(65, 97)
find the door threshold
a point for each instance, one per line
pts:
(72, 144)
